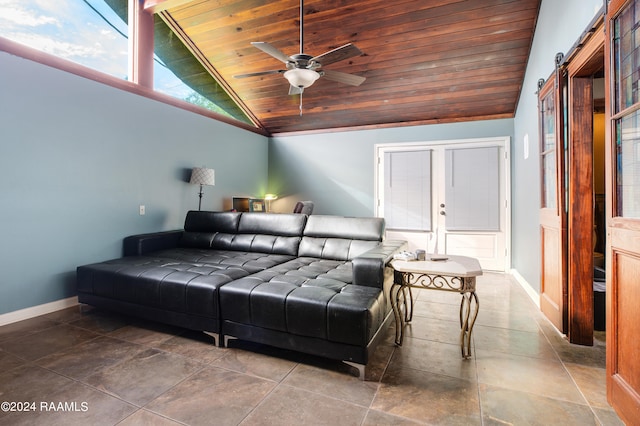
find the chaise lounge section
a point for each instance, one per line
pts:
(313, 284)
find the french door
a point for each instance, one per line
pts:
(447, 197)
(622, 53)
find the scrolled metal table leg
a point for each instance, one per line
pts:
(394, 298)
(408, 314)
(469, 307)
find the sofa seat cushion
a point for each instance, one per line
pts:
(169, 284)
(309, 297)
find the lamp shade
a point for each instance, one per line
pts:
(203, 176)
(301, 77)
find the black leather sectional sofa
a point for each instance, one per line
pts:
(314, 284)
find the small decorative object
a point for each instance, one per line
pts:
(256, 205)
(202, 176)
(269, 198)
(405, 255)
(420, 255)
(438, 258)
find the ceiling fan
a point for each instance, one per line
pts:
(303, 70)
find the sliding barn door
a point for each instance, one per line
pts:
(553, 216)
(623, 209)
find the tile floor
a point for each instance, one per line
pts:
(113, 370)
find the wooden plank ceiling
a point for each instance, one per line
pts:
(425, 61)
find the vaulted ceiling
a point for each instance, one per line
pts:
(425, 61)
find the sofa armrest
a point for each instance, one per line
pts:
(369, 267)
(138, 245)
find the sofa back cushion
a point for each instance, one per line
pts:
(286, 225)
(200, 227)
(264, 233)
(339, 237)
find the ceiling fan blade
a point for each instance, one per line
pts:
(293, 90)
(270, 50)
(343, 77)
(338, 54)
(256, 74)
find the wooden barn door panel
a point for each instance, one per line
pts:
(580, 216)
(553, 216)
(622, 53)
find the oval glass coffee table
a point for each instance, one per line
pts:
(446, 273)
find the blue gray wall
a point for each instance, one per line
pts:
(77, 158)
(336, 170)
(560, 24)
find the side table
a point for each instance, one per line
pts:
(453, 273)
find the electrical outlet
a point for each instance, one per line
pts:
(142, 210)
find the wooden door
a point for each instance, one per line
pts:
(582, 67)
(622, 54)
(553, 216)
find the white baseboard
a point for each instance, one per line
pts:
(535, 297)
(35, 311)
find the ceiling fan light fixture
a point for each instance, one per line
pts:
(301, 77)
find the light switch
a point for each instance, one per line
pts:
(142, 210)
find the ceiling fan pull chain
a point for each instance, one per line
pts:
(301, 103)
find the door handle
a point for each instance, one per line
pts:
(442, 205)
(442, 212)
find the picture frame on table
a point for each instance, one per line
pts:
(257, 205)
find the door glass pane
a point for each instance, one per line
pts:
(472, 189)
(407, 190)
(549, 188)
(628, 165)
(626, 45)
(548, 150)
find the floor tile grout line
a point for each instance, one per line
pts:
(105, 392)
(562, 364)
(564, 367)
(264, 398)
(80, 382)
(475, 361)
(595, 414)
(145, 406)
(151, 412)
(282, 384)
(52, 353)
(326, 396)
(375, 394)
(209, 365)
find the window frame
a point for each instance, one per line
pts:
(32, 54)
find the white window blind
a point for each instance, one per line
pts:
(472, 189)
(407, 190)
